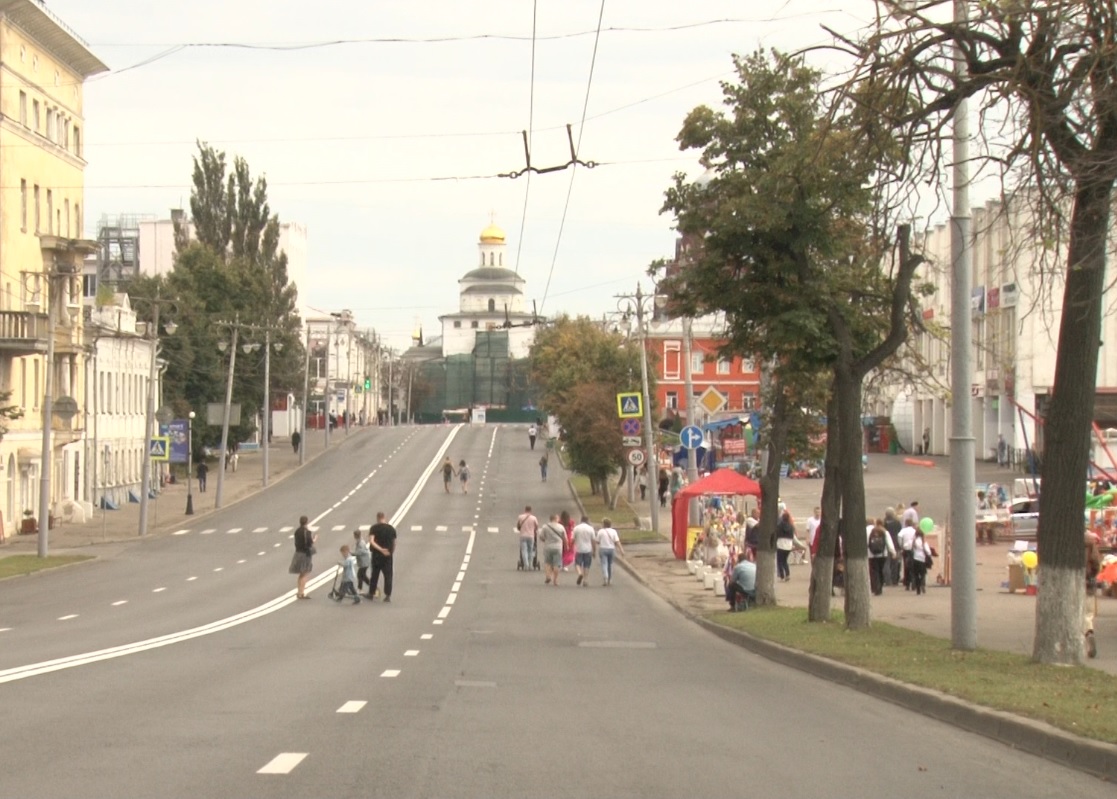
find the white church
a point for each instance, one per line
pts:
(491, 297)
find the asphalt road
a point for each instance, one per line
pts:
(477, 680)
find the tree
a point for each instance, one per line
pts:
(578, 369)
(1045, 72)
(790, 216)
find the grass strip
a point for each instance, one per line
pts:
(1078, 700)
(19, 565)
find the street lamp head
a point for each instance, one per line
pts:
(278, 346)
(170, 327)
(250, 348)
(191, 414)
(223, 345)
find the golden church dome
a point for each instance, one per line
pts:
(492, 235)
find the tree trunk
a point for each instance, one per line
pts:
(822, 563)
(605, 490)
(1066, 453)
(778, 426)
(847, 391)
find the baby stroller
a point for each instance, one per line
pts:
(534, 556)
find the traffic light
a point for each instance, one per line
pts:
(368, 382)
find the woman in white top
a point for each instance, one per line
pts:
(920, 558)
(608, 541)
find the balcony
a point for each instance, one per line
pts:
(22, 333)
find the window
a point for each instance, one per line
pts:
(502, 259)
(77, 141)
(724, 366)
(67, 206)
(748, 365)
(35, 115)
(35, 387)
(673, 400)
(697, 363)
(36, 209)
(77, 221)
(50, 211)
(474, 324)
(457, 323)
(23, 109)
(23, 205)
(492, 305)
(23, 382)
(492, 259)
(748, 402)
(672, 362)
(50, 124)
(89, 285)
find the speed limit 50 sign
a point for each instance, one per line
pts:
(636, 457)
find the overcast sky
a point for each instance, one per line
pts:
(353, 136)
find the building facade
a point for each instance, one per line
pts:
(1015, 311)
(43, 66)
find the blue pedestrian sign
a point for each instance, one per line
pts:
(630, 405)
(691, 436)
(160, 448)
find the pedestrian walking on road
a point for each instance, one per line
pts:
(532, 432)
(568, 541)
(364, 560)
(203, 470)
(296, 439)
(543, 466)
(463, 476)
(302, 563)
(553, 537)
(382, 540)
(447, 473)
(348, 568)
(608, 542)
(584, 543)
(527, 526)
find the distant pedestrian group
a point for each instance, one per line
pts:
(563, 543)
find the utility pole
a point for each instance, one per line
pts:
(635, 304)
(694, 515)
(225, 415)
(302, 428)
(963, 582)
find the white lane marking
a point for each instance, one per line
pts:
(158, 590)
(465, 559)
(191, 579)
(353, 706)
(180, 532)
(451, 599)
(5, 629)
(461, 575)
(416, 528)
(464, 566)
(219, 569)
(440, 528)
(426, 637)
(71, 661)
(208, 532)
(494, 529)
(469, 546)
(241, 561)
(283, 763)
(337, 528)
(410, 653)
(119, 602)
(390, 673)
(466, 528)
(457, 586)
(67, 618)
(276, 545)
(260, 530)
(617, 644)
(264, 552)
(437, 621)
(234, 530)
(286, 528)
(442, 614)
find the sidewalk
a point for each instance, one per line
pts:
(168, 512)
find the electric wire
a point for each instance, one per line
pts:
(530, 126)
(574, 168)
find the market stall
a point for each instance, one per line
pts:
(723, 482)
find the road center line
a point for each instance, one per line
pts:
(353, 706)
(283, 763)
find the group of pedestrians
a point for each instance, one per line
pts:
(563, 543)
(449, 473)
(361, 564)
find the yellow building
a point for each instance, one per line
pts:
(43, 65)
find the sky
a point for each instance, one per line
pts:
(388, 151)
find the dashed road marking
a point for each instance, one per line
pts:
(242, 560)
(437, 621)
(119, 602)
(276, 545)
(426, 636)
(353, 706)
(234, 530)
(494, 529)
(219, 569)
(442, 614)
(337, 528)
(5, 629)
(466, 528)
(617, 644)
(286, 528)
(180, 532)
(440, 528)
(191, 579)
(416, 528)
(67, 618)
(457, 586)
(209, 531)
(260, 530)
(451, 599)
(158, 590)
(283, 763)
(410, 653)
(390, 673)
(461, 576)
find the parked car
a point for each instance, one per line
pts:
(1024, 513)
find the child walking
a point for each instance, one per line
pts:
(348, 567)
(364, 560)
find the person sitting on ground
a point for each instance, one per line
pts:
(742, 583)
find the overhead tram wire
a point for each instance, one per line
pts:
(530, 127)
(574, 168)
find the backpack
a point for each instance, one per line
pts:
(877, 545)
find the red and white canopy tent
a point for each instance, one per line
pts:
(725, 482)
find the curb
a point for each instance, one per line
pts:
(1035, 737)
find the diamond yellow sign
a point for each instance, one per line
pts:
(712, 400)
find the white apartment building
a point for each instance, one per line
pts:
(1016, 305)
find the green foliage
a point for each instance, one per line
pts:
(579, 368)
(8, 411)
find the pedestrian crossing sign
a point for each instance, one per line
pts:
(630, 405)
(160, 449)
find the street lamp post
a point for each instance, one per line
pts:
(149, 416)
(225, 414)
(190, 464)
(266, 422)
(636, 304)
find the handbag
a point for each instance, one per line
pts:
(929, 562)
